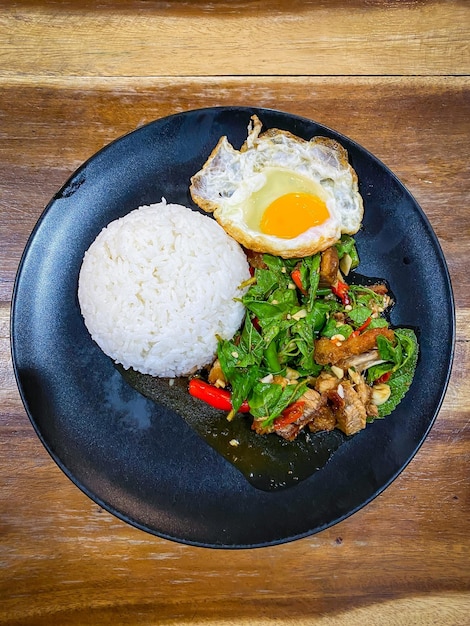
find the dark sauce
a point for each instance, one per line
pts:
(268, 462)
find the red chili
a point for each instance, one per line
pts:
(359, 330)
(384, 378)
(290, 414)
(296, 277)
(218, 398)
(341, 290)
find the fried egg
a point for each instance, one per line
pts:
(279, 193)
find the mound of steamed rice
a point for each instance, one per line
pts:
(158, 285)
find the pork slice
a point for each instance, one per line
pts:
(326, 382)
(313, 401)
(323, 419)
(328, 352)
(329, 267)
(351, 414)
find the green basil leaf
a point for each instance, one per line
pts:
(250, 340)
(266, 311)
(242, 383)
(331, 329)
(281, 297)
(359, 314)
(378, 322)
(263, 396)
(345, 245)
(376, 371)
(386, 350)
(229, 354)
(401, 379)
(290, 394)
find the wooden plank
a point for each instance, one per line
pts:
(55, 38)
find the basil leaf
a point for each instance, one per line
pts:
(263, 396)
(290, 394)
(317, 317)
(251, 342)
(386, 350)
(266, 281)
(401, 379)
(359, 314)
(345, 245)
(331, 329)
(242, 383)
(378, 322)
(376, 371)
(284, 297)
(229, 354)
(266, 311)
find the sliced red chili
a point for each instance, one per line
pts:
(359, 330)
(214, 396)
(290, 414)
(297, 278)
(340, 290)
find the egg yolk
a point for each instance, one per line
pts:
(292, 214)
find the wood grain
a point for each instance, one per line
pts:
(241, 38)
(391, 75)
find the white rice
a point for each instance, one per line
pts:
(158, 285)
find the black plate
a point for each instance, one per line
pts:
(139, 460)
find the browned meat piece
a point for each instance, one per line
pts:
(351, 415)
(313, 401)
(216, 376)
(329, 352)
(326, 382)
(365, 393)
(255, 259)
(329, 266)
(334, 403)
(323, 419)
(372, 410)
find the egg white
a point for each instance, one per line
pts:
(237, 186)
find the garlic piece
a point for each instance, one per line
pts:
(345, 264)
(380, 393)
(337, 371)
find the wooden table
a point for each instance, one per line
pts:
(393, 76)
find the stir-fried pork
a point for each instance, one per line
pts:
(330, 352)
(334, 403)
(351, 414)
(313, 402)
(329, 266)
